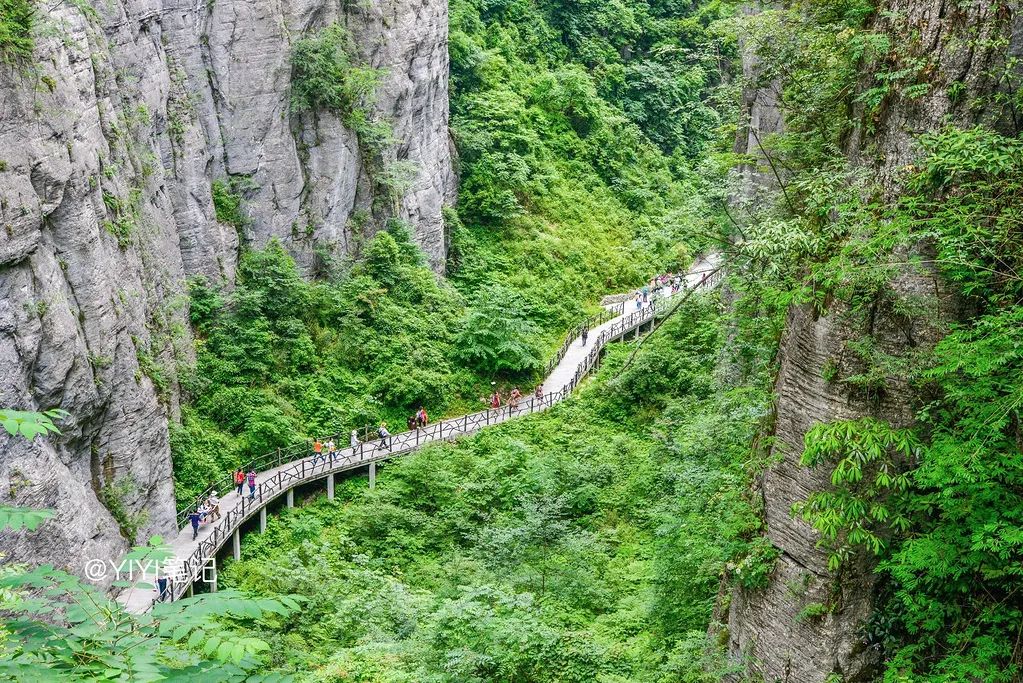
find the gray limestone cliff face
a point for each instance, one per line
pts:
(110, 140)
(765, 630)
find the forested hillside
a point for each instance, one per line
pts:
(570, 188)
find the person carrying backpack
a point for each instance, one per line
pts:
(384, 435)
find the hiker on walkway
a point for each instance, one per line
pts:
(384, 435)
(331, 448)
(239, 480)
(317, 450)
(162, 585)
(495, 400)
(195, 517)
(411, 423)
(586, 334)
(214, 502)
(646, 294)
(513, 399)
(639, 300)
(204, 511)
(251, 478)
(422, 419)
(355, 439)
(538, 394)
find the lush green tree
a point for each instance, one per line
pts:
(496, 336)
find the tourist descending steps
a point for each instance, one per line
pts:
(251, 478)
(239, 480)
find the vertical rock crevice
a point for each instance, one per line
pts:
(767, 629)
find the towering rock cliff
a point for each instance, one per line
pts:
(111, 138)
(959, 45)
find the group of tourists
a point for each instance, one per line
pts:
(323, 450)
(418, 420)
(513, 399)
(667, 284)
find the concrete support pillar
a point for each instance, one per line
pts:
(237, 543)
(330, 486)
(372, 474)
(213, 575)
(262, 519)
(291, 498)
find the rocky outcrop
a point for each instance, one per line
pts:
(770, 630)
(111, 137)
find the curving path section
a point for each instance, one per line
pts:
(195, 559)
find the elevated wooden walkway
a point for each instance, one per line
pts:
(282, 471)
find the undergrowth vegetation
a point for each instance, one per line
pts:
(581, 544)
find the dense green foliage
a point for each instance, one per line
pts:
(227, 204)
(16, 22)
(325, 75)
(563, 196)
(578, 545)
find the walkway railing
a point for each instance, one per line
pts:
(307, 469)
